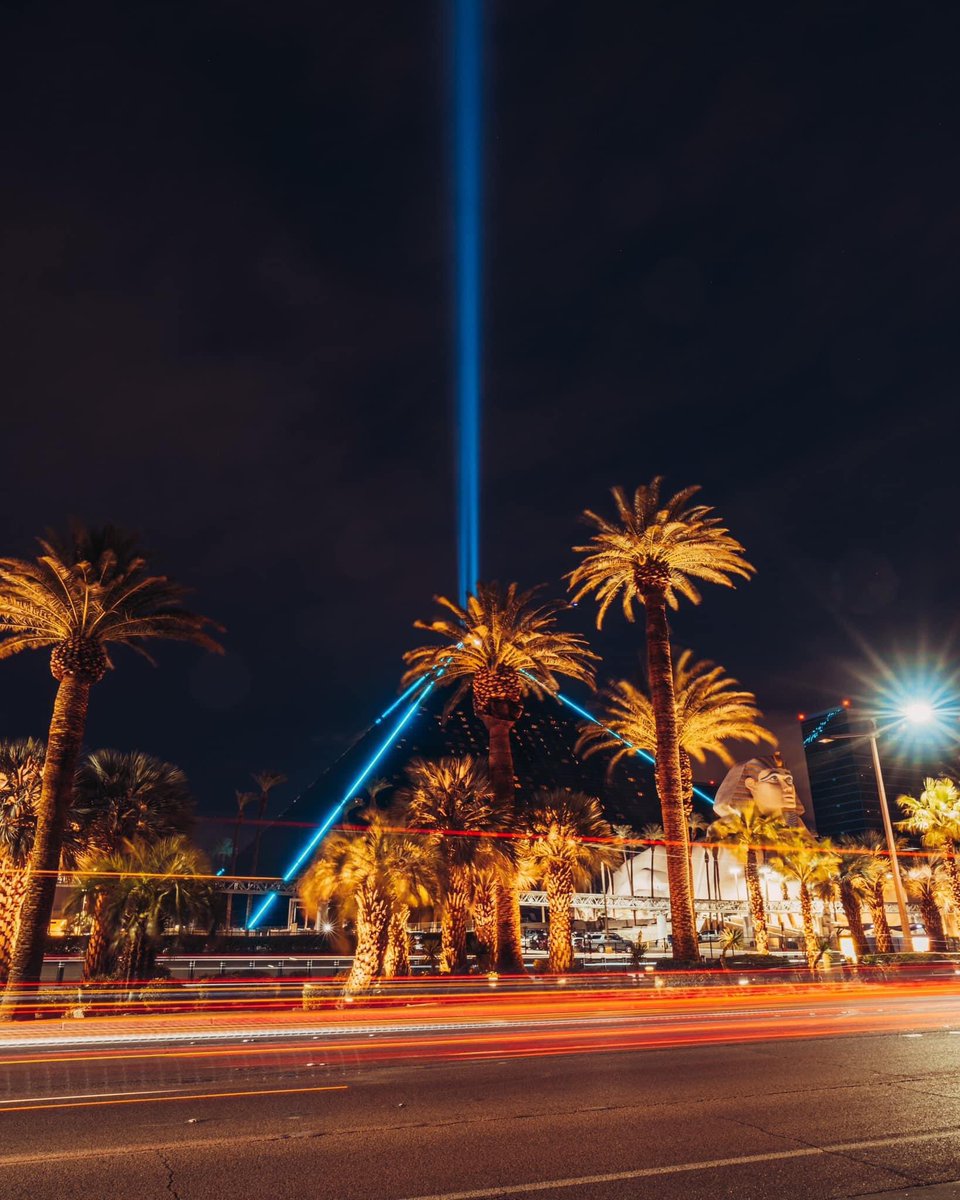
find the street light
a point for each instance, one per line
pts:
(917, 712)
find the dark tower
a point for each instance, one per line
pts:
(843, 784)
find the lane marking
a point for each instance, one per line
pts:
(168, 1099)
(712, 1164)
(87, 1096)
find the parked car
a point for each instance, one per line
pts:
(607, 943)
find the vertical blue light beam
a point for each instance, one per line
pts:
(467, 32)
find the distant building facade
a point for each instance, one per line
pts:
(843, 783)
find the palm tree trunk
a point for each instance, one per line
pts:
(851, 910)
(485, 919)
(953, 875)
(810, 945)
(686, 784)
(500, 758)
(372, 921)
(932, 923)
(228, 916)
(881, 927)
(12, 887)
(758, 914)
(559, 884)
(509, 932)
(453, 925)
(396, 959)
(669, 782)
(56, 794)
(133, 955)
(96, 958)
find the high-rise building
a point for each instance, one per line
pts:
(843, 782)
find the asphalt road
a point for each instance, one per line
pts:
(489, 1111)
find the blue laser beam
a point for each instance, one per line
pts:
(636, 749)
(347, 797)
(415, 686)
(467, 33)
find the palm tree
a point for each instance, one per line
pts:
(627, 835)
(809, 863)
(148, 885)
(21, 769)
(928, 887)
(650, 555)
(452, 800)
(876, 874)
(412, 884)
(121, 797)
(359, 869)
(935, 817)
(242, 799)
(503, 646)
(855, 880)
(560, 848)
(747, 831)
(486, 882)
(79, 596)
(266, 781)
(654, 836)
(731, 939)
(712, 710)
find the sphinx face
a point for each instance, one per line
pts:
(773, 791)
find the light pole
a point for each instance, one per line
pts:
(918, 713)
(891, 842)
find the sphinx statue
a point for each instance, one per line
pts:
(765, 782)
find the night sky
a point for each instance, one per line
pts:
(720, 245)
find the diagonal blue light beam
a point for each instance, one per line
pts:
(351, 791)
(636, 749)
(467, 36)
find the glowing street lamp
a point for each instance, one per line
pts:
(916, 713)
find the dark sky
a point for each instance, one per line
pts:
(721, 244)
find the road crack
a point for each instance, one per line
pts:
(826, 1150)
(169, 1170)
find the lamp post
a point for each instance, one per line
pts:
(919, 714)
(891, 843)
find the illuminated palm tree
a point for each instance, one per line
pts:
(928, 886)
(149, 886)
(712, 710)
(119, 798)
(21, 769)
(502, 645)
(855, 880)
(555, 852)
(651, 554)
(361, 870)
(413, 884)
(627, 834)
(452, 799)
(747, 831)
(78, 597)
(876, 870)
(486, 883)
(654, 836)
(809, 863)
(934, 816)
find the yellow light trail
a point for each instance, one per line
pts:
(340, 1087)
